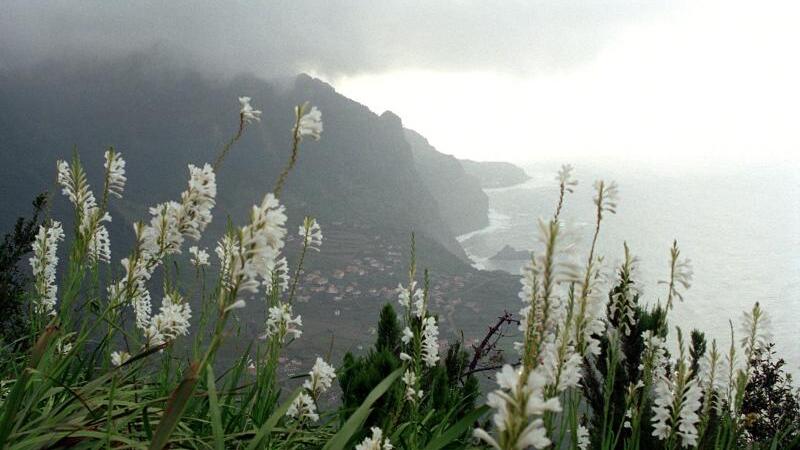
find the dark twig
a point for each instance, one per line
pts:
(488, 344)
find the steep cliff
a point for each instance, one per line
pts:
(462, 202)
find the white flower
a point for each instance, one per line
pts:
(662, 407)
(680, 275)
(404, 295)
(247, 113)
(534, 305)
(5, 389)
(199, 256)
(410, 380)
(755, 330)
(654, 358)
(712, 379)
(583, 437)
(115, 171)
(90, 220)
(280, 275)
(622, 307)
(412, 296)
(261, 242)
(589, 323)
(172, 221)
(565, 179)
(139, 294)
(119, 358)
(430, 341)
(171, 321)
(507, 378)
(238, 304)
(688, 417)
(563, 368)
(408, 335)
(711, 371)
(227, 249)
(75, 187)
(303, 407)
(44, 263)
(310, 123)
(162, 237)
(375, 442)
(320, 378)
(169, 224)
(280, 322)
(133, 286)
(63, 347)
(606, 195)
(537, 405)
(665, 407)
(405, 357)
(481, 435)
(419, 303)
(197, 201)
(529, 273)
(311, 233)
(100, 243)
(519, 408)
(628, 417)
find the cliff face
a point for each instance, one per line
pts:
(362, 171)
(365, 169)
(462, 202)
(495, 174)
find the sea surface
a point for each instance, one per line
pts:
(739, 226)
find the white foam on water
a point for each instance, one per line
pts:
(497, 222)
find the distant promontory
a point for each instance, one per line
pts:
(509, 253)
(495, 174)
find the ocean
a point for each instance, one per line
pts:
(739, 226)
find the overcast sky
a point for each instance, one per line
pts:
(678, 83)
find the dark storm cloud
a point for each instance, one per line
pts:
(332, 37)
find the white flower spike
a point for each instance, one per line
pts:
(44, 262)
(309, 123)
(247, 113)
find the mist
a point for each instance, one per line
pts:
(677, 84)
(274, 38)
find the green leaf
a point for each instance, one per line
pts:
(399, 431)
(216, 418)
(457, 429)
(12, 403)
(354, 422)
(175, 408)
(267, 427)
(148, 430)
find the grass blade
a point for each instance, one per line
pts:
(216, 417)
(457, 429)
(175, 408)
(12, 403)
(273, 419)
(354, 422)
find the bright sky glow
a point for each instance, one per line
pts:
(707, 83)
